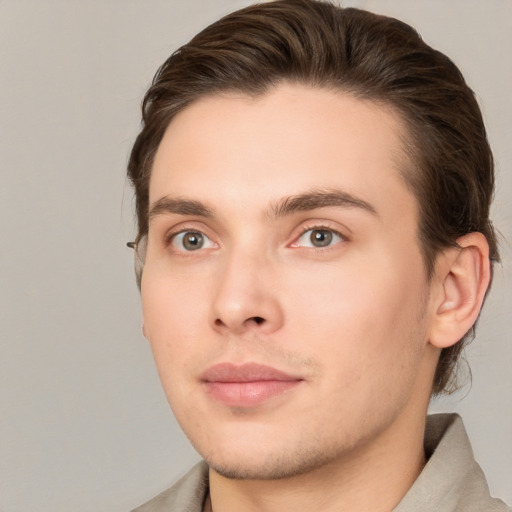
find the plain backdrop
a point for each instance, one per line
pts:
(84, 425)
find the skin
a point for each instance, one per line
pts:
(356, 320)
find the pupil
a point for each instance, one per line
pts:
(193, 241)
(321, 238)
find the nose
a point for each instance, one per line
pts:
(246, 296)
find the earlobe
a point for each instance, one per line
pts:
(463, 274)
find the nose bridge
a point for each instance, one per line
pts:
(244, 297)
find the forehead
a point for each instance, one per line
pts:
(237, 148)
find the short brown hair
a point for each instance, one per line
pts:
(369, 56)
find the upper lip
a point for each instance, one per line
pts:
(248, 372)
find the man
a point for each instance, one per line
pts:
(313, 188)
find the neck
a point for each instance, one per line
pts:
(374, 477)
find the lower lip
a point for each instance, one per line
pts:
(248, 394)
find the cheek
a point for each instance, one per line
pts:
(174, 314)
(362, 315)
(363, 330)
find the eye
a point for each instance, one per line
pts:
(191, 241)
(318, 238)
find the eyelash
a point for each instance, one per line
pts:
(328, 229)
(171, 237)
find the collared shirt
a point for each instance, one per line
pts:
(451, 481)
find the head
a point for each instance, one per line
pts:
(369, 56)
(259, 52)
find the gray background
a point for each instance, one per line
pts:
(84, 424)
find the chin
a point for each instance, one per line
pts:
(267, 465)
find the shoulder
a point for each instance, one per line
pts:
(186, 495)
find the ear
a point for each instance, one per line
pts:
(462, 275)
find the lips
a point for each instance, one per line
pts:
(247, 385)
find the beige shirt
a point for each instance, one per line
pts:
(451, 481)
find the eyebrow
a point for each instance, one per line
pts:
(319, 199)
(179, 206)
(286, 206)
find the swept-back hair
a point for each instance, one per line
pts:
(369, 56)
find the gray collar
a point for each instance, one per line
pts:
(451, 481)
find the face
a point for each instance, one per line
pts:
(284, 290)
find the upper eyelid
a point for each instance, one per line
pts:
(215, 234)
(173, 236)
(170, 238)
(171, 233)
(184, 226)
(342, 231)
(322, 228)
(335, 232)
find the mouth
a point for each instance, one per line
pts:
(246, 385)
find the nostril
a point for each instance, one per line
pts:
(258, 320)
